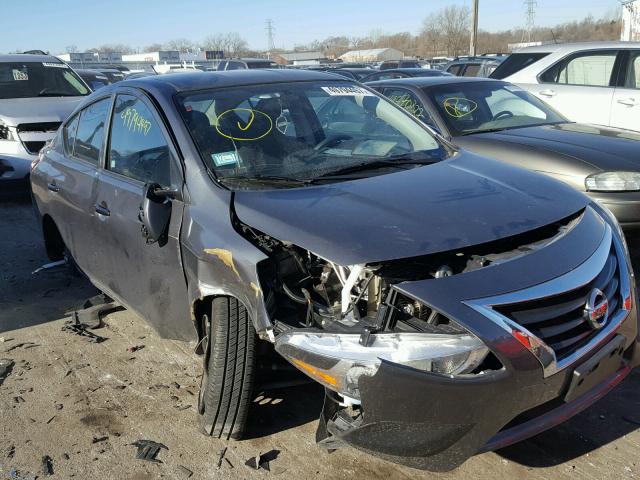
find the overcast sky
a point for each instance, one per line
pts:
(54, 24)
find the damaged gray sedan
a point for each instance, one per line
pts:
(448, 305)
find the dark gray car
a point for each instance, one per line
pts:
(499, 120)
(449, 304)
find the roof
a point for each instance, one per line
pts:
(367, 52)
(301, 56)
(421, 82)
(25, 57)
(554, 47)
(180, 82)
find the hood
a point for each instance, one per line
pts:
(464, 201)
(596, 148)
(14, 111)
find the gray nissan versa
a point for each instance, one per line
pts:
(448, 305)
(37, 92)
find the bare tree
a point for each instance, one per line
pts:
(71, 49)
(112, 48)
(154, 47)
(232, 44)
(180, 44)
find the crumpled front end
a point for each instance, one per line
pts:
(429, 360)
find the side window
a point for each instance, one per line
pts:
(454, 69)
(137, 146)
(590, 69)
(410, 102)
(472, 70)
(236, 66)
(90, 132)
(69, 134)
(633, 73)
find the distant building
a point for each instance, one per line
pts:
(79, 57)
(109, 57)
(168, 56)
(372, 55)
(631, 21)
(299, 58)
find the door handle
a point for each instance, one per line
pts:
(548, 93)
(53, 187)
(102, 210)
(629, 102)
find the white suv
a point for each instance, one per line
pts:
(595, 82)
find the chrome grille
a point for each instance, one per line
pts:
(558, 320)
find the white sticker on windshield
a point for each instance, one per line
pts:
(347, 91)
(56, 65)
(20, 74)
(225, 158)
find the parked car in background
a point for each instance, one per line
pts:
(131, 76)
(502, 121)
(356, 73)
(448, 303)
(388, 64)
(474, 66)
(114, 75)
(37, 93)
(403, 73)
(246, 63)
(595, 82)
(93, 78)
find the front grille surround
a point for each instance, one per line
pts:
(609, 254)
(38, 127)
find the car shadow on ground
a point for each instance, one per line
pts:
(28, 299)
(609, 419)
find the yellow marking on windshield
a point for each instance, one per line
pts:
(256, 133)
(251, 118)
(134, 121)
(458, 107)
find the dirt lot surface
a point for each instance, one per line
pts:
(83, 404)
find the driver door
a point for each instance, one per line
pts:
(146, 278)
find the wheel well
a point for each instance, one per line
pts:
(52, 239)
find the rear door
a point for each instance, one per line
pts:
(147, 278)
(72, 176)
(580, 86)
(625, 110)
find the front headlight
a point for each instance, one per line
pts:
(337, 361)
(613, 182)
(6, 133)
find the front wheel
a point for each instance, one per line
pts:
(227, 380)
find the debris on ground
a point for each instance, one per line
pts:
(21, 345)
(135, 348)
(50, 420)
(47, 465)
(184, 472)
(78, 328)
(99, 439)
(18, 399)
(6, 365)
(11, 452)
(223, 452)
(148, 450)
(59, 406)
(262, 461)
(50, 266)
(76, 368)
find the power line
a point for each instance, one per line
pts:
(270, 35)
(530, 21)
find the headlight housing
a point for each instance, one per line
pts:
(337, 361)
(613, 182)
(6, 133)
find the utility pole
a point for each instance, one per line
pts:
(270, 35)
(473, 46)
(530, 20)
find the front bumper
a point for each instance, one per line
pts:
(625, 206)
(435, 423)
(15, 162)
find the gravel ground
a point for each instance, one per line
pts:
(83, 404)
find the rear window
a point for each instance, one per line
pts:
(516, 62)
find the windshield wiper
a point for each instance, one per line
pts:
(264, 179)
(511, 127)
(376, 164)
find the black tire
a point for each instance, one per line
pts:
(227, 380)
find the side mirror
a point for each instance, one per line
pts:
(155, 213)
